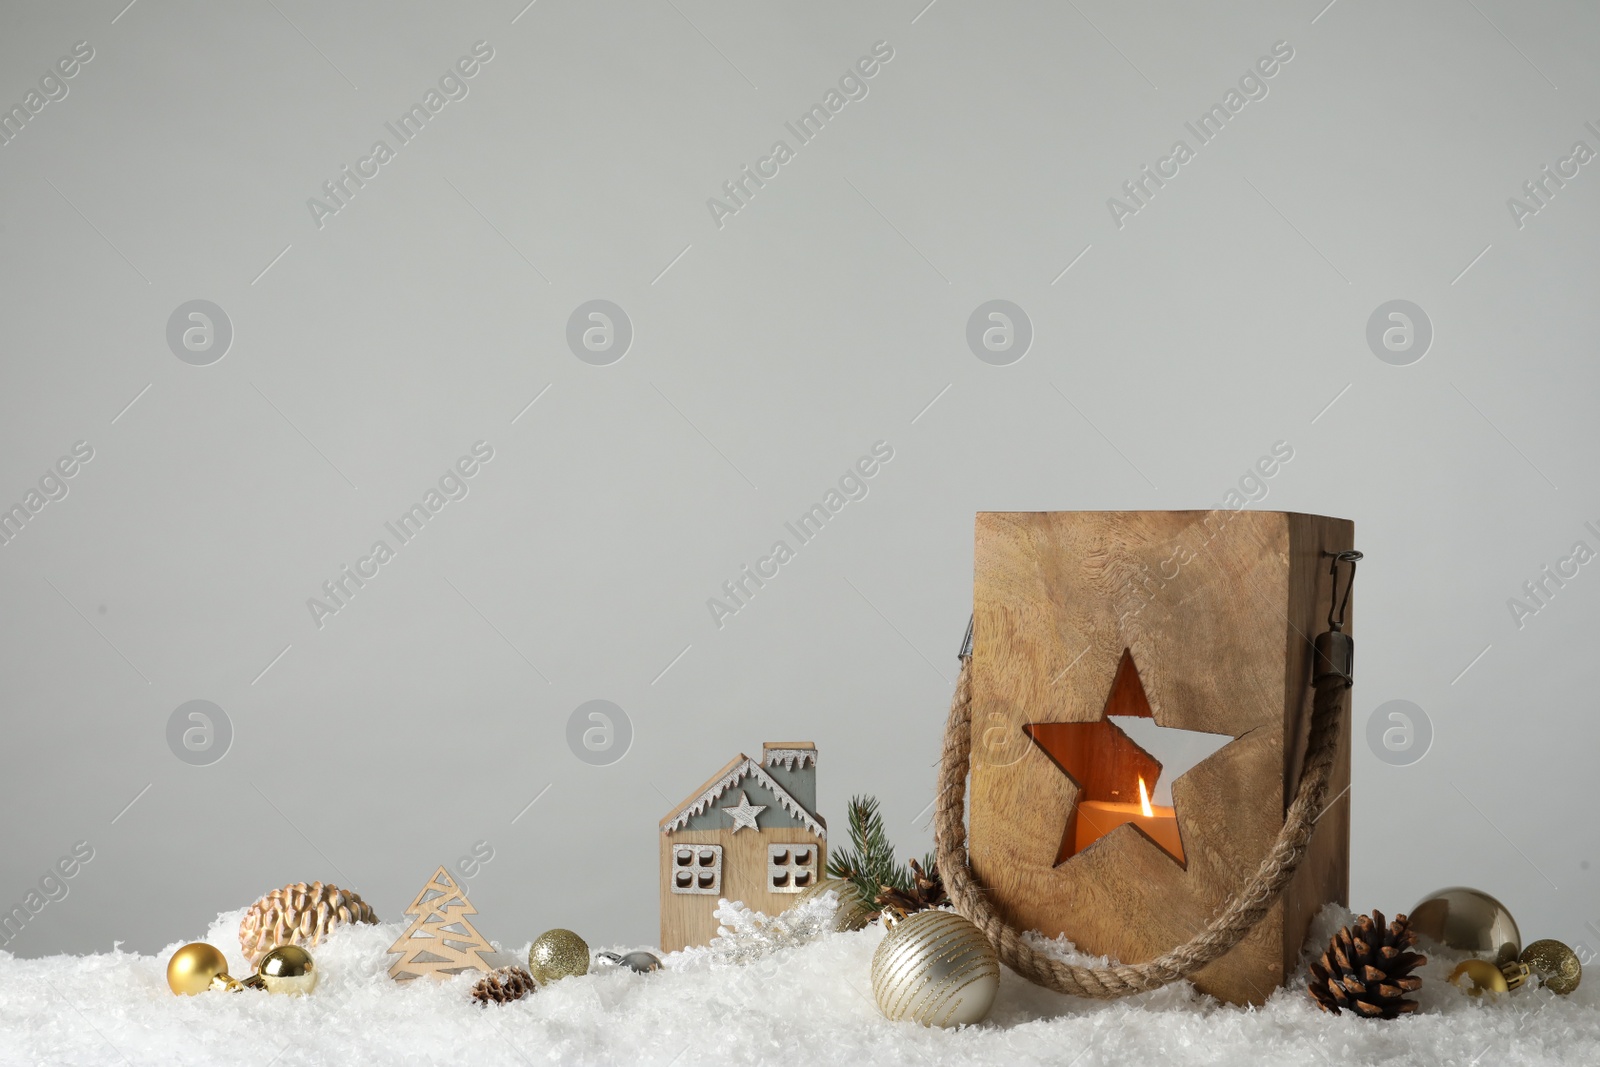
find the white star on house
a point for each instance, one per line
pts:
(744, 813)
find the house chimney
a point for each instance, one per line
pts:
(793, 765)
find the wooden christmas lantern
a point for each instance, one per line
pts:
(1195, 621)
(750, 833)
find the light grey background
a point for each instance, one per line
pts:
(768, 355)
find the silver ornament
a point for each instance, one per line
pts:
(638, 962)
(934, 968)
(1470, 921)
(641, 962)
(746, 935)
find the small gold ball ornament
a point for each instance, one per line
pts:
(1476, 977)
(1557, 966)
(197, 967)
(557, 954)
(1468, 920)
(288, 969)
(934, 968)
(855, 911)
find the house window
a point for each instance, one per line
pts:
(791, 868)
(696, 868)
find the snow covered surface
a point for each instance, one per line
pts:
(807, 1005)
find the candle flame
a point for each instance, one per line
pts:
(1144, 800)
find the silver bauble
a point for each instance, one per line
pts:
(934, 968)
(639, 962)
(1468, 920)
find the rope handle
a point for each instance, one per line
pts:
(1331, 682)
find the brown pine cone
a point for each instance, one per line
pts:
(298, 914)
(503, 985)
(1368, 970)
(927, 891)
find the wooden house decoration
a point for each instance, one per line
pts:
(750, 833)
(1200, 621)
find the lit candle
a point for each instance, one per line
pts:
(1096, 818)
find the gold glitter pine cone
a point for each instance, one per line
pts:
(1368, 970)
(299, 914)
(503, 986)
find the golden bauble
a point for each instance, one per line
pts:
(288, 969)
(1557, 966)
(934, 968)
(557, 954)
(1477, 976)
(1468, 920)
(855, 911)
(197, 967)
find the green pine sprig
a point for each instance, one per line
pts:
(869, 861)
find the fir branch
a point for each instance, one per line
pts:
(869, 861)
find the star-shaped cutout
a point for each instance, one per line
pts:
(744, 813)
(1107, 765)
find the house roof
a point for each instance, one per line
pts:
(735, 771)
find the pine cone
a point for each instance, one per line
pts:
(1368, 971)
(298, 914)
(503, 985)
(927, 891)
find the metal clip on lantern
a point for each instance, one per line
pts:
(1250, 903)
(1335, 649)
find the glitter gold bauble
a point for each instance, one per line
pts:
(198, 967)
(1468, 920)
(287, 969)
(299, 914)
(855, 911)
(934, 968)
(1557, 966)
(557, 954)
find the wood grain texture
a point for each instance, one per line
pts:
(440, 941)
(686, 918)
(1217, 610)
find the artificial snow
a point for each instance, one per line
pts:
(798, 1006)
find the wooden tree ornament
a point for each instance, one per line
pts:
(440, 940)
